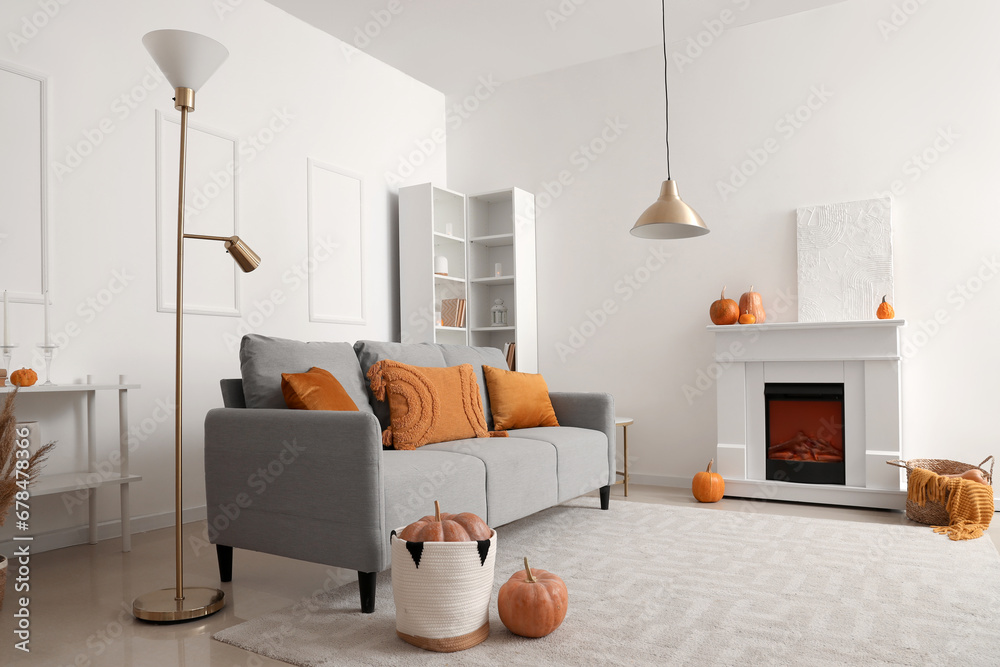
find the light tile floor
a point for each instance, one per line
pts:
(80, 596)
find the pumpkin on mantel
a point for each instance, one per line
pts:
(885, 310)
(24, 377)
(533, 602)
(748, 318)
(751, 301)
(464, 527)
(724, 311)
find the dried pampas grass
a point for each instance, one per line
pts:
(9, 474)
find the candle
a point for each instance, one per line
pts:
(48, 338)
(6, 329)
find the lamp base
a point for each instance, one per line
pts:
(161, 607)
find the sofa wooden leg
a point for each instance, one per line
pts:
(225, 562)
(606, 497)
(366, 584)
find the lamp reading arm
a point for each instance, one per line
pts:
(246, 258)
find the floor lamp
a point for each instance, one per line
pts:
(187, 60)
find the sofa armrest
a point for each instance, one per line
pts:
(591, 410)
(298, 483)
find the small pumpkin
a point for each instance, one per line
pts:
(724, 311)
(885, 310)
(751, 301)
(747, 318)
(708, 486)
(533, 602)
(974, 475)
(24, 377)
(464, 527)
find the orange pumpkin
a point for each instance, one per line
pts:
(751, 301)
(464, 527)
(708, 486)
(885, 310)
(974, 475)
(747, 318)
(724, 311)
(533, 602)
(24, 377)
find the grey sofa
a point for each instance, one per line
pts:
(318, 485)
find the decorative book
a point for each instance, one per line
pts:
(453, 312)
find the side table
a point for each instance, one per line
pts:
(624, 422)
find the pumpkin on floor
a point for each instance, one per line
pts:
(751, 301)
(533, 602)
(24, 377)
(464, 527)
(885, 310)
(724, 311)
(708, 486)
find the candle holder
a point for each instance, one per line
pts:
(8, 352)
(47, 351)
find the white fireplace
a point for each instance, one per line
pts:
(862, 356)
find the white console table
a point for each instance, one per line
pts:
(92, 479)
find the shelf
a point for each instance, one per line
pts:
(494, 240)
(776, 326)
(453, 279)
(74, 481)
(441, 328)
(44, 389)
(492, 329)
(440, 235)
(498, 280)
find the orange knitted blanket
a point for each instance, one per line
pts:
(969, 504)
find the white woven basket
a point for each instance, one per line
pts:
(443, 603)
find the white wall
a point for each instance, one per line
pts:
(894, 94)
(348, 110)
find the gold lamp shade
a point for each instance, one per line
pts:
(247, 259)
(669, 217)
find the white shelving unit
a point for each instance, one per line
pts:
(502, 231)
(91, 479)
(486, 229)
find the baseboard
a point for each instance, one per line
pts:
(109, 530)
(661, 480)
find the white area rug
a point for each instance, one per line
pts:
(657, 584)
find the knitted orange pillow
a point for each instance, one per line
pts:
(518, 400)
(316, 389)
(428, 404)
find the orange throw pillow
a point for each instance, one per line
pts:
(518, 400)
(428, 405)
(315, 389)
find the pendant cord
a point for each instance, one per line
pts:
(666, 95)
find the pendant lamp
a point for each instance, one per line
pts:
(669, 217)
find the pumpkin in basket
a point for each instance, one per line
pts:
(464, 527)
(533, 602)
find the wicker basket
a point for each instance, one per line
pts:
(931, 513)
(443, 604)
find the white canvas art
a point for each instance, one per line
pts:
(845, 260)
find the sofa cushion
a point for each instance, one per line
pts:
(370, 352)
(582, 456)
(520, 474)
(414, 480)
(316, 389)
(519, 400)
(263, 359)
(477, 357)
(427, 404)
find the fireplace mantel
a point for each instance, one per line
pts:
(863, 355)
